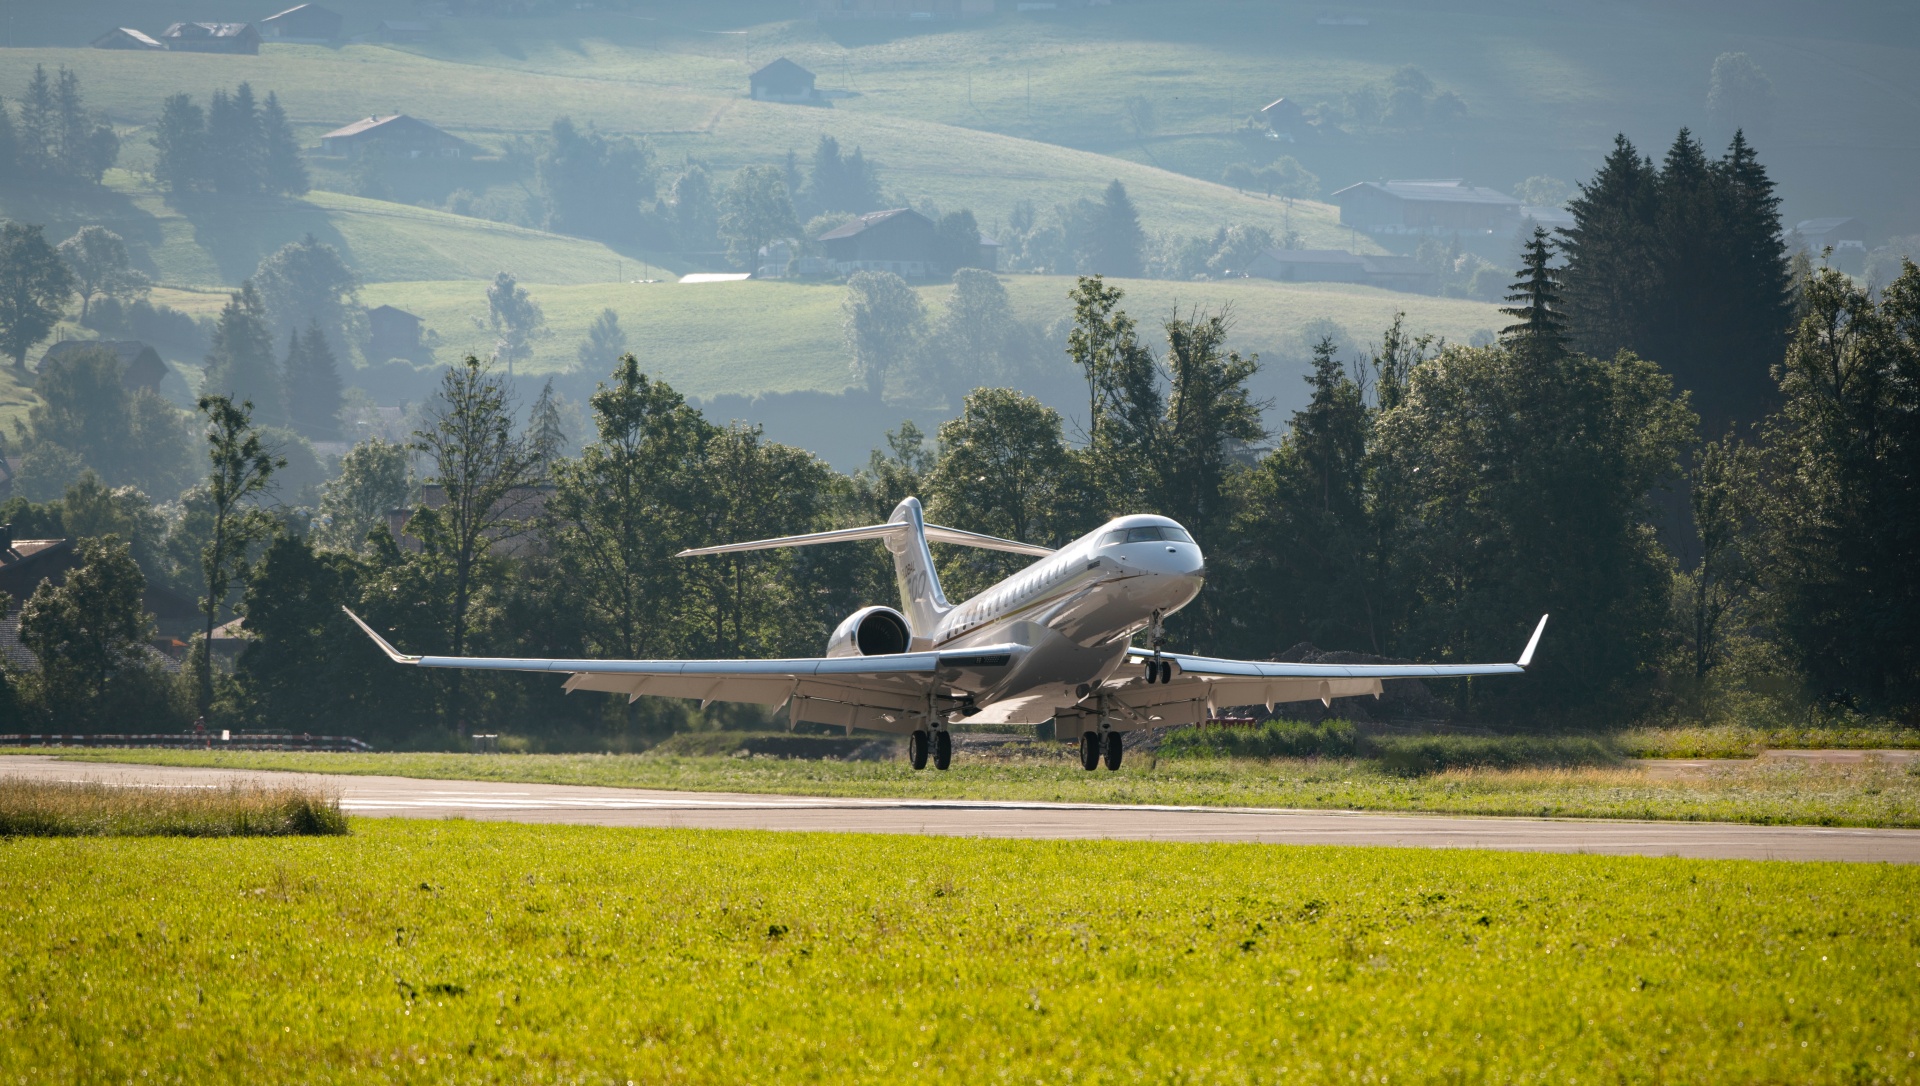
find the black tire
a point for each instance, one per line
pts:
(942, 749)
(1089, 751)
(917, 750)
(1166, 672)
(1114, 750)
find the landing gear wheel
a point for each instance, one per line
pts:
(917, 750)
(1113, 750)
(1089, 751)
(942, 749)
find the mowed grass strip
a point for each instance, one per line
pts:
(1871, 793)
(41, 808)
(451, 951)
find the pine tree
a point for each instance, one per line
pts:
(241, 366)
(281, 167)
(233, 156)
(546, 430)
(1755, 283)
(1540, 331)
(84, 145)
(180, 145)
(1610, 279)
(39, 121)
(313, 385)
(606, 341)
(1118, 238)
(10, 168)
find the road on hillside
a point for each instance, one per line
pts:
(406, 797)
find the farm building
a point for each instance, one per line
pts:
(303, 23)
(140, 365)
(901, 9)
(393, 136)
(1840, 232)
(1283, 116)
(781, 81)
(901, 241)
(211, 38)
(391, 333)
(126, 37)
(1426, 207)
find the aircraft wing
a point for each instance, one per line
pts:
(883, 693)
(1203, 685)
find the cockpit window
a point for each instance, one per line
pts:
(1176, 535)
(1118, 535)
(1143, 535)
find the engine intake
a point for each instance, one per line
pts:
(872, 631)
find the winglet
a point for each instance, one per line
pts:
(393, 654)
(1525, 657)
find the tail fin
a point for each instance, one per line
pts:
(906, 534)
(920, 595)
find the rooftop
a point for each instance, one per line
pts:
(868, 221)
(1444, 190)
(782, 67)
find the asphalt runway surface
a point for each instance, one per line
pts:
(406, 797)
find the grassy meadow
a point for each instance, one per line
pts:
(1573, 784)
(454, 951)
(715, 338)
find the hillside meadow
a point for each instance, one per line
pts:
(452, 951)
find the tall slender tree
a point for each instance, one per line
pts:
(180, 145)
(1611, 275)
(1540, 329)
(281, 168)
(241, 363)
(241, 469)
(314, 387)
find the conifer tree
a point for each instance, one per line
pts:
(1118, 238)
(10, 167)
(281, 167)
(1610, 279)
(234, 159)
(1540, 330)
(605, 340)
(313, 385)
(39, 121)
(546, 430)
(84, 145)
(180, 145)
(240, 365)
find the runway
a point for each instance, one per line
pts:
(405, 797)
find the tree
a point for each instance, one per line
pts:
(1117, 238)
(692, 212)
(85, 145)
(39, 126)
(1543, 191)
(34, 286)
(841, 183)
(1209, 414)
(1841, 531)
(89, 628)
(1722, 489)
(973, 344)
(240, 364)
(546, 431)
(623, 508)
(484, 470)
(605, 340)
(1286, 177)
(240, 469)
(956, 241)
(86, 412)
(594, 184)
(12, 168)
(100, 265)
(515, 319)
(1123, 404)
(755, 212)
(303, 283)
(234, 162)
(304, 667)
(1611, 280)
(314, 388)
(1739, 94)
(180, 145)
(884, 326)
(1540, 331)
(373, 480)
(281, 168)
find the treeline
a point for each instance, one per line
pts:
(1428, 502)
(49, 136)
(235, 146)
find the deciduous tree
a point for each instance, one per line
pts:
(34, 287)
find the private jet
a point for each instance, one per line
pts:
(1054, 642)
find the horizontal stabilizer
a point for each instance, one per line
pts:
(935, 534)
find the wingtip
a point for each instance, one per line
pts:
(1533, 642)
(393, 654)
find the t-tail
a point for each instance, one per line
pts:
(906, 535)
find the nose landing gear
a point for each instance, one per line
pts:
(1158, 670)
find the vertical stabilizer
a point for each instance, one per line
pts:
(920, 595)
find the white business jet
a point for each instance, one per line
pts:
(1052, 642)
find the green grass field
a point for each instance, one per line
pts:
(713, 338)
(464, 952)
(1871, 794)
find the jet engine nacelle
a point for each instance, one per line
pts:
(871, 631)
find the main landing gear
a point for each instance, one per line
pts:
(1094, 744)
(940, 743)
